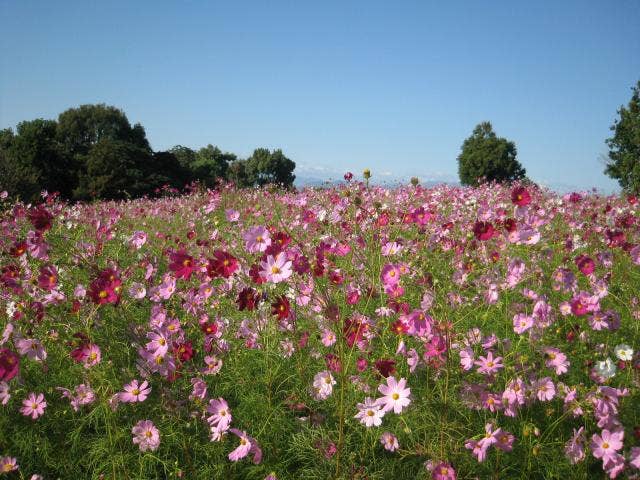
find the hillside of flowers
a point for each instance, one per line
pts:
(352, 332)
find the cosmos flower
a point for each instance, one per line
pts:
(135, 392)
(146, 435)
(395, 395)
(33, 406)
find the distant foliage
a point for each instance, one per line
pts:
(624, 146)
(93, 152)
(486, 157)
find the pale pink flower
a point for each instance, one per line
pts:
(8, 465)
(146, 435)
(574, 448)
(389, 441)
(33, 405)
(4, 393)
(545, 389)
(220, 413)
(489, 365)
(276, 269)
(138, 239)
(257, 239)
(370, 413)
(556, 360)
(323, 383)
(247, 445)
(606, 445)
(32, 348)
(135, 392)
(396, 396)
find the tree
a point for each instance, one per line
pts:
(624, 146)
(115, 170)
(485, 157)
(211, 165)
(238, 174)
(166, 169)
(33, 161)
(265, 167)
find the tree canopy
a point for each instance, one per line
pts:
(485, 157)
(624, 146)
(93, 151)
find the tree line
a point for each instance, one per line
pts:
(93, 152)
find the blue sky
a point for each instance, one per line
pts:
(392, 86)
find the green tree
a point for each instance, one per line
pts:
(83, 128)
(116, 170)
(486, 157)
(33, 160)
(166, 169)
(238, 174)
(265, 167)
(624, 146)
(211, 165)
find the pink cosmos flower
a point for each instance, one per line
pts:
(8, 464)
(574, 448)
(32, 348)
(232, 215)
(556, 360)
(606, 445)
(247, 445)
(634, 457)
(4, 393)
(522, 323)
(82, 395)
(135, 392)
(370, 413)
(545, 389)
(443, 471)
(257, 239)
(91, 355)
(138, 239)
(220, 413)
(396, 397)
(146, 435)
(389, 441)
(276, 269)
(33, 405)
(323, 383)
(466, 358)
(489, 365)
(390, 275)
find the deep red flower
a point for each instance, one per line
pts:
(40, 218)
(209, 328)
(483, 230)
(222, 264)
(281, 307)
(510, 225)
(182, 264)
(333, 362)
(520, 196)
(9, 364)
(254, 273)
(18, 249)
(279, 241)
(48, 278)
(399, 327)
(386, 367)
(106, 288)
(183, 351)
(247, 299)
(348, 176)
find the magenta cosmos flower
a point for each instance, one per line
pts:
(146, 435)
(396, 397)
(33, 405)
(276, 269)
(135, 392)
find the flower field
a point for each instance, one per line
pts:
(350, 332)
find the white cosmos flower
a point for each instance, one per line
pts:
(606, 368)
(624, 352)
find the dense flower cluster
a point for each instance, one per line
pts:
(461, 326)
